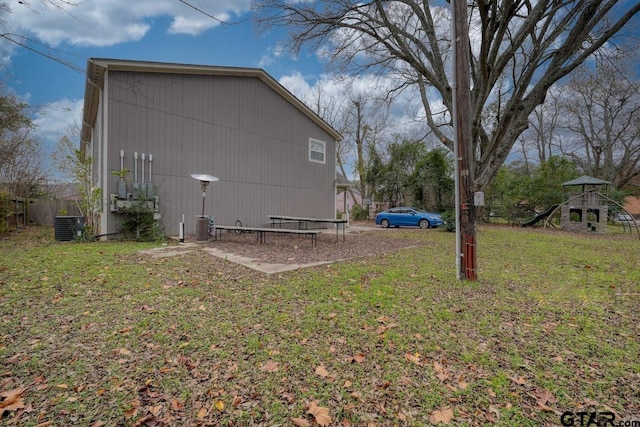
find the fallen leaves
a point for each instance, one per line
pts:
(237, 400)
(11, 400)
(385, 325)
(413, 358)
(133, 410)
(177, 404)
(16, 358)
(300, 422)
(320, 414)
(270, 366)
(518, 380)
(202, 413)
(322, 371)
(240, 371)
(358, 358)
(155, 410)
(441, 372)
(544, 398)
(494, 414)
(444, 415)
(462, 384)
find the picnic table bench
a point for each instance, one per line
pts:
(262, 231)
(303, 222)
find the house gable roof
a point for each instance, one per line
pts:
(586, 180)
(97, 67)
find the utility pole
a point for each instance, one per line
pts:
(466, 260)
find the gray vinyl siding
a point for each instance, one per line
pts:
(235, 128)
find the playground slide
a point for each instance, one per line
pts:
(540, 216)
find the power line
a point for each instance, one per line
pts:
(8, 36)
(209, 15)
(46, 55)
(202, 11)
(45, 46)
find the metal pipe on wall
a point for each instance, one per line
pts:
(142, 168)
(135, 166)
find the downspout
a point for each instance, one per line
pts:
(104, 222)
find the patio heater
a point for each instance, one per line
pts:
(202, 222)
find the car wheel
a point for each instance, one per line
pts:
(424, 223)
(384, 223)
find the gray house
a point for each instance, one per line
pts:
(160, 123)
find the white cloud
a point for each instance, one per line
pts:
(297, 85)
(56, 119)
(7, 50)
(407, 111)
(109, 22)
(272, 55)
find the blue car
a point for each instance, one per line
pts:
(408, 217)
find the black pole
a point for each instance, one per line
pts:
(204, 188)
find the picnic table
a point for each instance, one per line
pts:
(262, 231)
(303, 222)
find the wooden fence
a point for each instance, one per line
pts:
(17, 212)
(13, 213)
(44, 211)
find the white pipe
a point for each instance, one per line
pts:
(150, 160)
(142, 167)
(135, 167)
(121, 160)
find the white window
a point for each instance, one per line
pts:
(317, 151)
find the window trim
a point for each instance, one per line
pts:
(324, 151)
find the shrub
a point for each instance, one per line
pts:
(139, 220)
(449, 217)
(359, 213)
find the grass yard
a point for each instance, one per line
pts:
(97, 334)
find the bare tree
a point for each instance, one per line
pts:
(360, 116)
(369, 121)
(77, 166)
(35, 46)
(21, 168)
(542, 136)
(601, 116)
(57, 4)
(529, 45)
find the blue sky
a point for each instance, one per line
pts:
(72, 31)
(150, 30)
